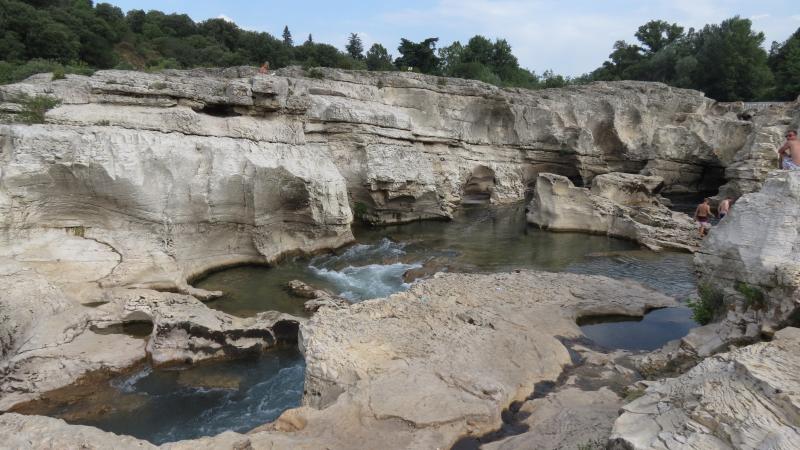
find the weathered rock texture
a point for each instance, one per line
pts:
(750, 259)
(746, 399)
(425, 367)
(617, 204)
(49, 341)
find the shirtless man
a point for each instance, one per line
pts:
(702, 214)
(724, 207)
(789, 153)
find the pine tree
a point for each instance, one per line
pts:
(287, 36)
(310, 39)
(354, 46)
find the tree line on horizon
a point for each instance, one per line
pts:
(727, 61)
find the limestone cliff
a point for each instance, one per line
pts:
(135, 168)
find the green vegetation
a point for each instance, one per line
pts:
(314, 72)
(359, 211)
(58, 74)
(633, 394)
(709, 303)
(33, 108)
(724, 60)
(754, 297)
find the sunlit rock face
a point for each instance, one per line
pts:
(620, 205)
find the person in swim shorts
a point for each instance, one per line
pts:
(789, 153)
(702, 214)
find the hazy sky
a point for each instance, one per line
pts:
(570, 37)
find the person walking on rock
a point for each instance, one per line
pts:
(789, 153)
(702, 214)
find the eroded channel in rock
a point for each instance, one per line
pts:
(241, 394)
(170, 405)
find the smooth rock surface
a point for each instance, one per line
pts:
(619, 205)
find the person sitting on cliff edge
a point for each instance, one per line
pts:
(789, 153)
(264, 69)
(701, 214)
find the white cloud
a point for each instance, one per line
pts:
(225, 18)
(571, 37)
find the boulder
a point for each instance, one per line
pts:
(619, 205)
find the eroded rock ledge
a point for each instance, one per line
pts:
(421, 368)
(617, 204)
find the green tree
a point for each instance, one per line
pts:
(731, 65)
(310, 39)
(784, 60)
(657, 34)
(378, 58)
(479, 49)
(420, 56)
(355, 48)
(450, 57)
(287, 36)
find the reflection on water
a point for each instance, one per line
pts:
(648, 333)
(170, 405)
(479, 239)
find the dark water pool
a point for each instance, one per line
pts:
(648, 333)
(169, 405)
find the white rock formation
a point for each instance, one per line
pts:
(421, 368)
(746, 399)
(752, 251)
(619, 205)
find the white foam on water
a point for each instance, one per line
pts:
(127, 384)
(364, 282)
(357, 282)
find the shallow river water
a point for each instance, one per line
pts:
(163, 406)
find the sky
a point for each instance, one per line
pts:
(568, 37)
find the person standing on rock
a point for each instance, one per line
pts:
(789, 153)
(724, 207)
(702, 214)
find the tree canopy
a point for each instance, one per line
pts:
(726, 60)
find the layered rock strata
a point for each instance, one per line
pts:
(408, 146)
(748, 398)
(619, 205)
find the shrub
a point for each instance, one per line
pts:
(315, 73)
(380, 84)
(441, 82)
(58, 74)
(359, 211)
(13, 72)
(753, 296)
(705, 307)
(34, 108)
